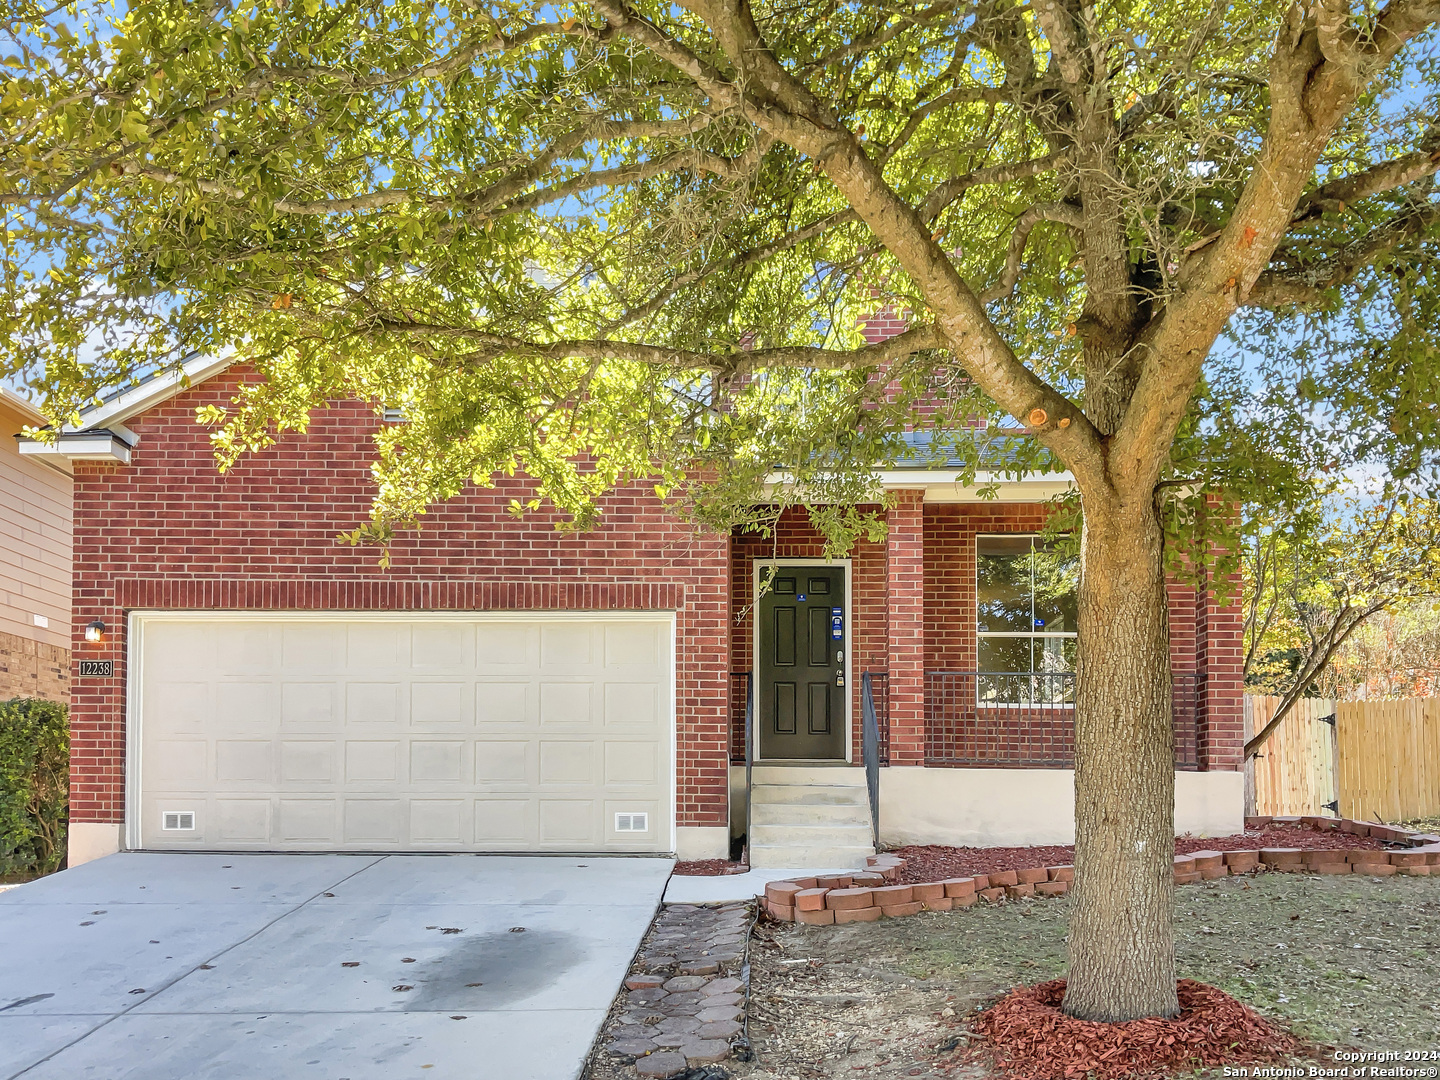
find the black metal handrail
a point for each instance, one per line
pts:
(749, 758)
(739, 701)
(870, 742)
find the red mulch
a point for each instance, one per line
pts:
(709, 868)
(932, 862)
(1031, 1039)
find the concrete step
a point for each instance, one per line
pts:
(808, 775)
(810, 813)
(790, 856)
(811, 836)
(808, 795)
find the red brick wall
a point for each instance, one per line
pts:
(33, 669)
(905, 562)
(170, 531)
(1219, 661)
(1204, 638)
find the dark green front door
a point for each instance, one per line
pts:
(802, 676)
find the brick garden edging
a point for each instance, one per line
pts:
(869, 895)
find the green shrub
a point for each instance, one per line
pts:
(34, 785)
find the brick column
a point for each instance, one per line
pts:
(1219, 635)
(905, 618)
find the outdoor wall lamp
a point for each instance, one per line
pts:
(95, 631)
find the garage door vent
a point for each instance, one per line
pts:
(632, 822)
(178, 820)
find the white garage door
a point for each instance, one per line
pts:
(413, 733)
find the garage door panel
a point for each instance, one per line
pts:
(503, 703)
(307, 762)
(632, 705)
(183, 761)
(566, 704)
(245, 649)
(505, 764)
(377, 822)
(633, 645)
(501, 646)
(632, 764)
(309, 822)
(244, 760)
(243, 821)
(442, 647)
(437, 823)
(368, 761)
(567, 763)
(506, 824)
(422, 734)
(567, 823)
(439, 705)
(307, 647)
(245, 703)
(309, 705)
(184, 706)
(377, 648)
(373, 703)
(436, 762)
(567, 645)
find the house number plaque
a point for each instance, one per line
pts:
(97, 669)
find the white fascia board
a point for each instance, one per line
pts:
(80, 446)
(147, 395)
(943, 486)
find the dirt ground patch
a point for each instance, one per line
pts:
(1340, 961)
(931, 862)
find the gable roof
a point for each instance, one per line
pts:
(101, 434)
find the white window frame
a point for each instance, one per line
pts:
(1029, 635)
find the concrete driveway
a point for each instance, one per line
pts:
(332, 967)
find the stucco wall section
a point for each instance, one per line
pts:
(1024, 807)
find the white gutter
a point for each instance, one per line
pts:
(80, 446)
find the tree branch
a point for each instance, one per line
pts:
(943, 195)
(790, 356)
(790, 112)
(1277, 288)
(1063, 213)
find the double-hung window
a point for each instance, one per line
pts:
(1025, 592)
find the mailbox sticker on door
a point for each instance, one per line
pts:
(837, 623)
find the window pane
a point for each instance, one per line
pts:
(1055, 654)
(1004, 654)
(1002, 583)
(1057, 580)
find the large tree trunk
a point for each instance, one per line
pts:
(1122, 945)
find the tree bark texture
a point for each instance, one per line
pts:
(1122, 945)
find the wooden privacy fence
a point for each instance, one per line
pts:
(1366, 760)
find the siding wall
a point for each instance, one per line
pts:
(35, 568)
